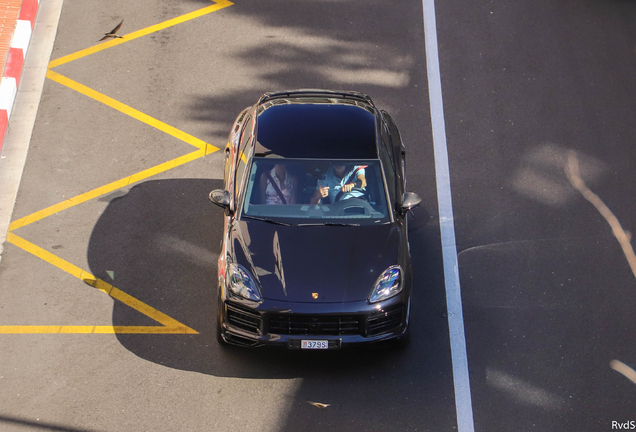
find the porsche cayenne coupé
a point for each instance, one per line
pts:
(315, 252)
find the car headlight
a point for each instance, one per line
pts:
(388, 284)
(241, 283)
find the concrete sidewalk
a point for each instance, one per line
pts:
(17, 18)
(21, 89)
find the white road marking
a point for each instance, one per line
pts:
(463, 402)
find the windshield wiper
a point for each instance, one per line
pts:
(328, 224)
(267, 220)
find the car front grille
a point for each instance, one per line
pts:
(331, 325)
(384, 322)
(242, 318)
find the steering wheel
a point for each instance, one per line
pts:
(365, 194)
(341, 207)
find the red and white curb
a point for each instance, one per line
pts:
(15, 61)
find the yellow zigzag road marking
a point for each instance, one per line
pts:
(170, 324)
(138, 115)
(139, 33)
(95, 330)
(105, 189)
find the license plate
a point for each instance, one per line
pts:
(314, 344)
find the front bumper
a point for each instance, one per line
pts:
(283, 324)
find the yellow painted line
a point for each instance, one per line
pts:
(139, 33)
(103, 286)
(41, 214)
(138, 115)
(54, 329)
(45, 255)
(145, 329)
(145, 309)
(170, 325)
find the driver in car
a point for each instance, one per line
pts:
(339, 183)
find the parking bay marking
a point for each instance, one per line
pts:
(170, 325)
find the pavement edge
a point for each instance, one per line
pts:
(24, 100)
(15, 62)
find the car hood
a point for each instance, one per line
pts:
(315, 264)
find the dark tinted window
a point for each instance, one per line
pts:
(242, 157)
(389, 171)
(325, 130)
(302, 178)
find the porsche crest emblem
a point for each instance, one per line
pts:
(314, 295)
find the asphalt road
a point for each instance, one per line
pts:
(548, 295)
(549, 298)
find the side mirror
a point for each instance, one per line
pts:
(221, 198)
(410, 200)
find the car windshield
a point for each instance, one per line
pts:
(308, 192)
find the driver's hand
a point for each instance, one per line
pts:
(324, 191)
(348, 187)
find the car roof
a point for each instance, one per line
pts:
(316, 124)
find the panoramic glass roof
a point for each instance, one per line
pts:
(316, 130)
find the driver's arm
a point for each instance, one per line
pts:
(361, 182)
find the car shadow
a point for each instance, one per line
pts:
(159, 243)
